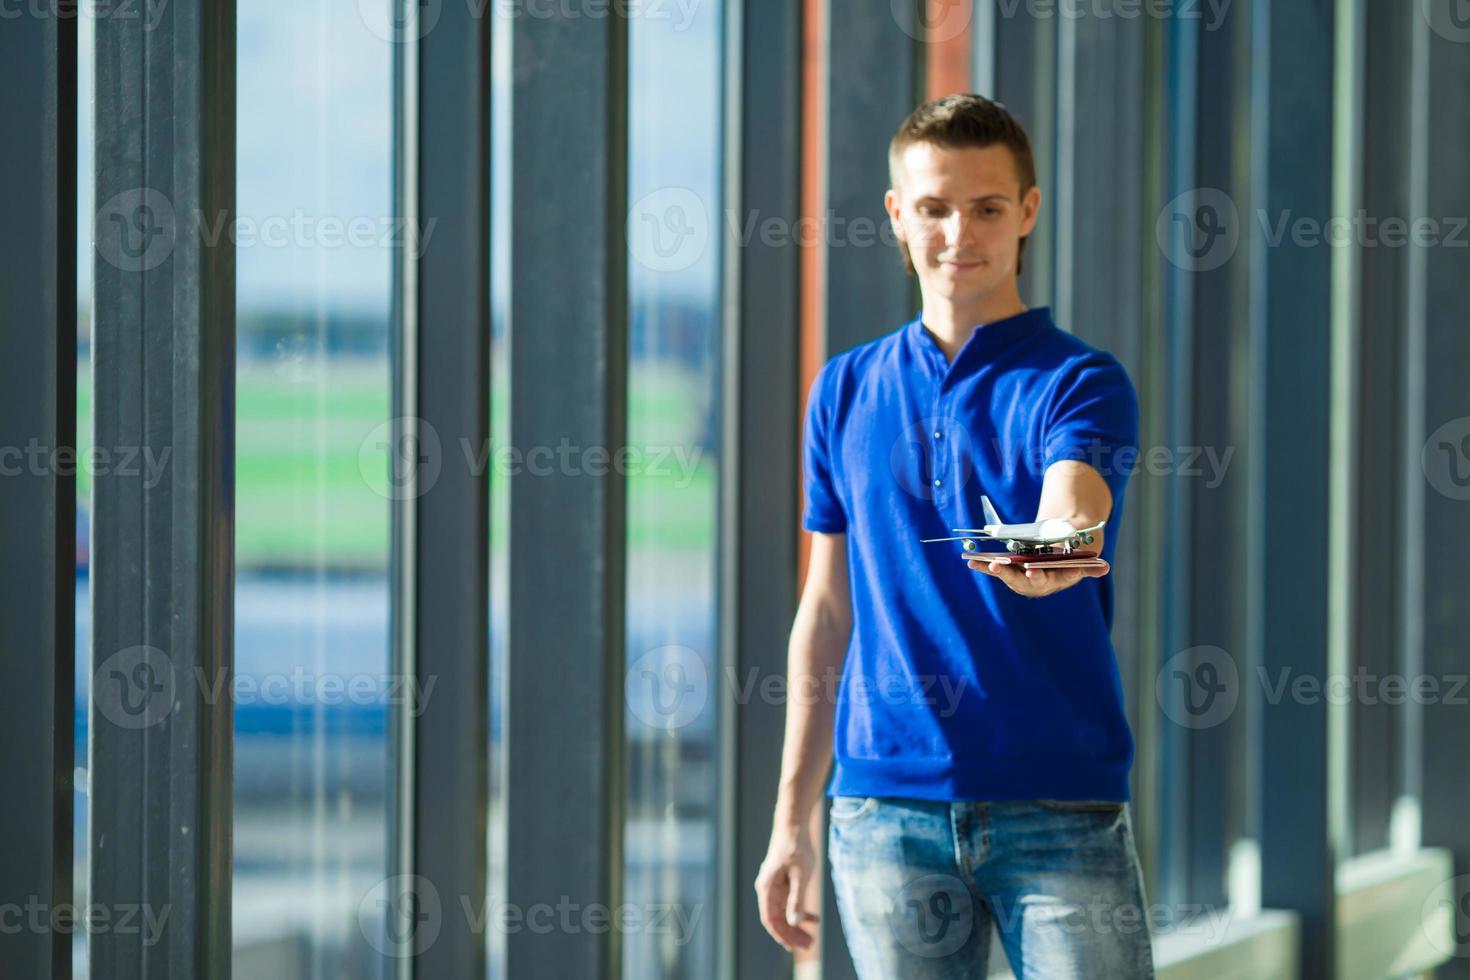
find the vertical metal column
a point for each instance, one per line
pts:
(163, 556)
(445, 392)
(867, 292)
(1179, 77)
(568, 550)
(1025, 69)
(1291, 395)
(1444, 454)
(1111, 241)
(759, 470)
(1377, 731)
(38, 374)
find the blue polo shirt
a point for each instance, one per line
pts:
(954, 687)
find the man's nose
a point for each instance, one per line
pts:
(958, 228)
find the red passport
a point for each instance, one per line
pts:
(1055, 559)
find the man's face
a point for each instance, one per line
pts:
(962, 215)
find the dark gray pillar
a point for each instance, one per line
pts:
(38, 188)
(1376, 760)
(759, 477)
(1026, 82)
(1104, 279)
(868, 294)
(444, 390)
(163, 540)
(1291, 399)
(1445, 452)
(568, 341)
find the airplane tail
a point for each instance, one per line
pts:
(990, 515)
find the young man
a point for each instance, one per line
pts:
(981, 747)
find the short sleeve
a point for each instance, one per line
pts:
(1094, 418)
(822, 509)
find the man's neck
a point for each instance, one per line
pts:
(953, 323)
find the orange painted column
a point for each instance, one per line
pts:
(949, 28)
(810, 231)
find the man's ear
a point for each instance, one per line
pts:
(893, 206)
(1030, 209)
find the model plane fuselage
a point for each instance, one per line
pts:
(1038, 537)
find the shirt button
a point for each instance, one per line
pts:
(938, 434)
(938, 482)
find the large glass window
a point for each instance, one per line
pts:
(673, 677)
(500, 201)
(86, 191)
(314, 242)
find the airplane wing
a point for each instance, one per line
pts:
(981, 535)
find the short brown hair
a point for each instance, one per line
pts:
(961, 121)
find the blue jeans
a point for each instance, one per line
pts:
(919, 883)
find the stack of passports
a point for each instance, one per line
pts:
(1056, 559)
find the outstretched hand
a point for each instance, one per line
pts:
(1037, 582)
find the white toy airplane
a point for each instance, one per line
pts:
(1045, 541)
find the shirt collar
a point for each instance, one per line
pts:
(986, 342)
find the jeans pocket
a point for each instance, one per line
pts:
(1082, 806)
(846, 809)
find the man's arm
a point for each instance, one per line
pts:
(1071, 491)
(788, 877)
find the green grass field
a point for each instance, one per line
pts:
(310, 473)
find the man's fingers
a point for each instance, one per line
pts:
(775, 908)
(1061, 577)
(1017, 578)
(796, 912)
(1037, 581)
(995, 568)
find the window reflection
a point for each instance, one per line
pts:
(675, 73)
(86, 48)
(314, 252)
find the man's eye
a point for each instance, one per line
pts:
(932, 212)
(992, 211)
